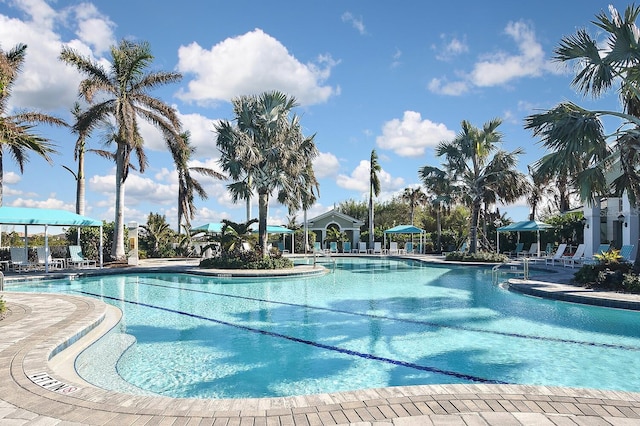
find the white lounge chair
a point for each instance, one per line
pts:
(533, 251)
(362, 247)
(19, 259)
(573, 260)
(408, 247)
(393, 248)
(77, 259)
(591, 260)
(556, 256)
(377, 248)
(44, 259)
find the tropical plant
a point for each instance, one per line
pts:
(121, 93)
(17, 135)
(182, 152)
(156, 235)
(355, 209)
(481, 177)
(574, 135)
(442, 186)
(414, 197)
(266, 152)
(232, 236)
(374, 190)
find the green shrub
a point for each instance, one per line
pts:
(476, 257)
(3, 306)
(247, 260)
(605, 276)
(631, 283)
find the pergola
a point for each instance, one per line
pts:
(46, 217)
(405, 229)
(524, 226)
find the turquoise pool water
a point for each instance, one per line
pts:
(371, 323)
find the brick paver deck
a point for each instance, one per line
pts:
(38, 389)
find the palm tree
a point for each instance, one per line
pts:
(443, 188)
(482, 178)
(414, 197)
(16, 131)
(266, 152)
(374, 190)
(182, 151)
(121, 93)
(157, 233)
(576, 135)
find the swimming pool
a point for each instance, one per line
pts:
(371, 323)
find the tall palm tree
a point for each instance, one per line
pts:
(266, 152)
(444, 191)
(574, 135)
(182, 152)
(374, 190)
(483, 178)
(157, 232)
(414, 197)
(122, 94)
(16, 131)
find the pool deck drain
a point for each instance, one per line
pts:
(35, 389)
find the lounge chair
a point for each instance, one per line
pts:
(591, 260)
(77, 259)
(281, 247)
(516, 251)
(19, 259)
(556, 256)
(333, 247)
(408, 247)
(362, 247)
(377, 248)
(533, 251)
(625, 252)
(44, 258)
(393, 248)
(346, 247)
(317, 247)
(573, 260)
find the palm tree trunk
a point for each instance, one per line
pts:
(371, 233)
(1, 177)
(473, 232)
(80, 187)
(263, 210)
(439, 228)
(117, 250)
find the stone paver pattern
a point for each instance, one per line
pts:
(38, 386)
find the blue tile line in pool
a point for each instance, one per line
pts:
(309, 342)
(404, 320)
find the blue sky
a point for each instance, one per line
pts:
(398, 77)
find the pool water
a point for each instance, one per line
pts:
(371, 323)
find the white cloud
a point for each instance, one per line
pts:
(11, 178)
(450, 48)
(326, 164)
(357, 23)
(248, 64)
(138, 189)
(359, 180)
(500, 68)
(410, 136)
(444, 87)
(49, 203)
(45, 82)
(94, 28)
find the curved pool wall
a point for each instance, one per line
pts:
(369, 324)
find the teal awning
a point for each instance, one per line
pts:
(404, 229)
(34, 216)
(214, 227)
(524, 226)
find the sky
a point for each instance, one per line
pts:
(398, 77)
